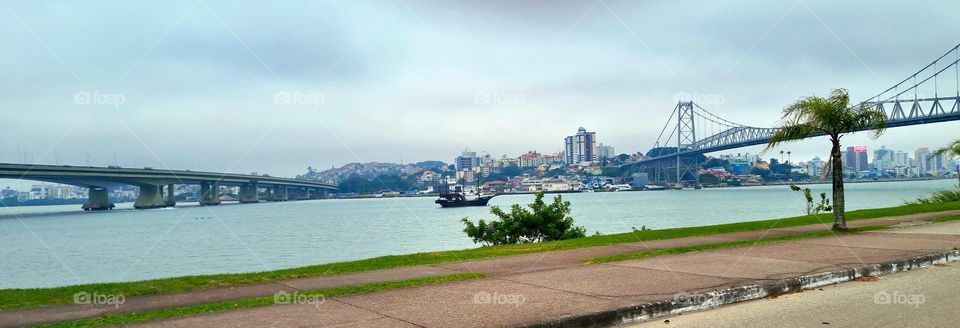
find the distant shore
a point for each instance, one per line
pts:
(46, 202)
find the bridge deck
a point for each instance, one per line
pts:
(88, 176)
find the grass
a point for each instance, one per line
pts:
(738, 243)
(26, 298)
(939, 196)
(946, 218)
(318, 295)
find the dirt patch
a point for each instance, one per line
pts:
(795, 291)
(867, 279)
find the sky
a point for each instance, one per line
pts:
(274, 87)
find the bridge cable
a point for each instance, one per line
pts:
(916, 84)
(721, 120)
(657, 145)
(922, 69)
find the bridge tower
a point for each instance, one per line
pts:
(686, 138)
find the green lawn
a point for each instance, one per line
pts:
(26, 298)
(946, 218)
(738, 243)
(314, 297)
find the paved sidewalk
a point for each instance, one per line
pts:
(533, 297)
(922, 298)
(551, 284)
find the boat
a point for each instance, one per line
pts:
(458, 198)
(454, 199)
(621, 187)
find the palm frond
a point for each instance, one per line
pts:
(869, 118)
(951, 150)
(790, 132)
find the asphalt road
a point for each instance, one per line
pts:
(923, 298)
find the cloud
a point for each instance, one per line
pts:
(199, 78)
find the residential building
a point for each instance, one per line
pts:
(581, 147)
(533, 159)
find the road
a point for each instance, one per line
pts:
(923, 298)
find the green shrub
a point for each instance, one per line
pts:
(542, 222)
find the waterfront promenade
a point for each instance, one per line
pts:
(558, 287)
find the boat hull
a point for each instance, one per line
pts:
(463, 203)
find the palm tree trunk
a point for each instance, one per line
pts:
(839, 219)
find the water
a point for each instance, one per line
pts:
(61, 245)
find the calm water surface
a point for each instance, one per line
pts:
(61, 245)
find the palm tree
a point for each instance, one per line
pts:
(951, 150)
(834, 117)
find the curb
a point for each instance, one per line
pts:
(684, 302)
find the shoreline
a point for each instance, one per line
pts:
(368, 196)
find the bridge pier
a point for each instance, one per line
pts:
(300, 194)
(210, 193)
(98, 199)
(150, 196)
(171, 200)
(268, 194)
(248, 193)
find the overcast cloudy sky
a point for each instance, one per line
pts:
(276, 86)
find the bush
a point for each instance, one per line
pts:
(814, 208)
(544, 223)
(939, 196)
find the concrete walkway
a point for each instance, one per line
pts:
(532, 288)
(922, 298)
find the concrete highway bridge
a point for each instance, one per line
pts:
(157, 185)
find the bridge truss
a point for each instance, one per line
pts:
(930, 95)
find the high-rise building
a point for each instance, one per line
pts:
(815, 167)
(937, 162)
(883, 154)
(605, 152)
(883, 160)
(581, 147)
(901, 158)
(467, 160)
(856, 158)
(922, 158)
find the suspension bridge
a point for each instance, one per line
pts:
(693, 131)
